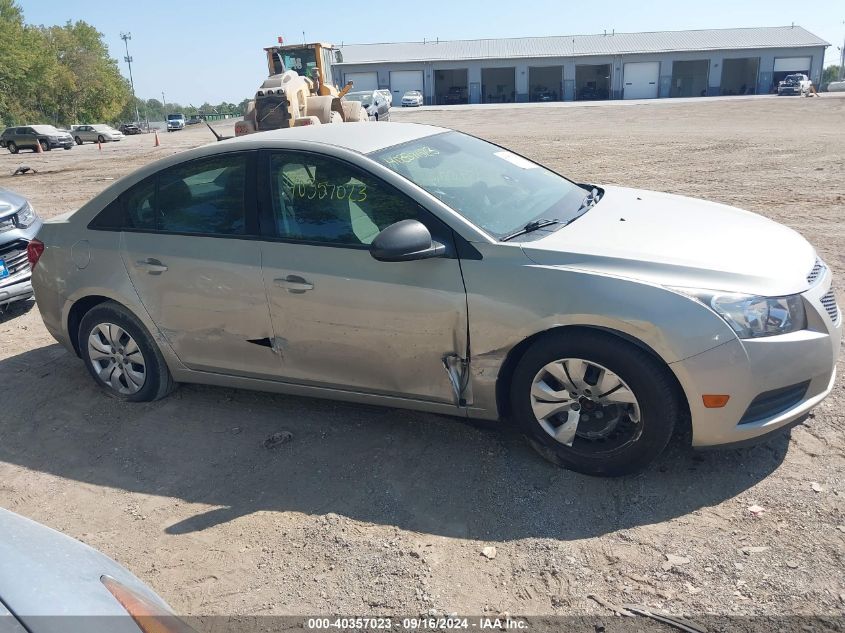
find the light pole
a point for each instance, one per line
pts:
(163, 106)
(128, 59)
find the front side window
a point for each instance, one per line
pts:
(495, 189)
(319, 199)
(204, 196)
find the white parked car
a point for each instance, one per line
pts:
(98, 133)
(797, 84)
(412, 98)
(388, 96)
(373, 101)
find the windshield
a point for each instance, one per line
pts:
(794, 77)
(45, 129)
(301, 60)
(175, 117)
(491, 187)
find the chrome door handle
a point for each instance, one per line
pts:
(294, 283)
(152, 266)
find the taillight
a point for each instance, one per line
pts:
(34, 250)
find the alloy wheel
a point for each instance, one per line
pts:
(116, 358)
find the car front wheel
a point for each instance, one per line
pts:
(121, 356)
(593, 403)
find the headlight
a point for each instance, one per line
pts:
(26, 216)
(752, 316)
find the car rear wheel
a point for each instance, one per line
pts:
(13, 148)
(121, 355)
(593, 403)
(78, 140)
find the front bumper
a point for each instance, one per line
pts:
(758, 370)
(16, 291)
(789, 90)
(62, 142)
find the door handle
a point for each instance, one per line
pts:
(152, 266)
(294, 283)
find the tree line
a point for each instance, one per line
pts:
(63, 75)
(155, 110)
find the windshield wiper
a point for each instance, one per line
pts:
(528, 228)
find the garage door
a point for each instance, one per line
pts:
(401, 81)
(792, 64)
(641, 80)
(363, 81)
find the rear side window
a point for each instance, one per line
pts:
(206, 197)
(203, 197)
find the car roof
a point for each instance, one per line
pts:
(357, 137)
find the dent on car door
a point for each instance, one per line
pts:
(196, 270)
(342, 319)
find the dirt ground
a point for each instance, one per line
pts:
(371, 510)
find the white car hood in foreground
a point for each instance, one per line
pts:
(678, 241)
(51, 582)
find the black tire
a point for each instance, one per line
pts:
(45, 146)
(158, 381)
(101, 139)
(648, 379)
(78, 140)
(13, 148)
(69, 147)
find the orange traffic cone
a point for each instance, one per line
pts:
(38, 148)
(158, 142)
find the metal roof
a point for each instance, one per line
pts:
(582, 45)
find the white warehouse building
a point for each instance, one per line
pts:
(587, 67)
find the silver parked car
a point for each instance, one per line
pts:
(51, 583)
(18, 225)
(98, 133)
(374, 102)
(418, 267)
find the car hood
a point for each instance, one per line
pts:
(682, 242)
(10, 202)
(45, 573)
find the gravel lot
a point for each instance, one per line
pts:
(371, 510)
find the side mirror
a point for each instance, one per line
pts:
(405, 241)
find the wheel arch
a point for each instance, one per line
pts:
(77, 312)
(513, 357)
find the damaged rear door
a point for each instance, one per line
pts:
(192, 256)
(342, 319)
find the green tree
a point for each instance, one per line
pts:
(831, 73)
(56, 74)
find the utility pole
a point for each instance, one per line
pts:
(128, 59)
(842, 59)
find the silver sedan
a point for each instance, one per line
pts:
(98, 133)
(418, 267)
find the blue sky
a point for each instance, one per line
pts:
(204, 51)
